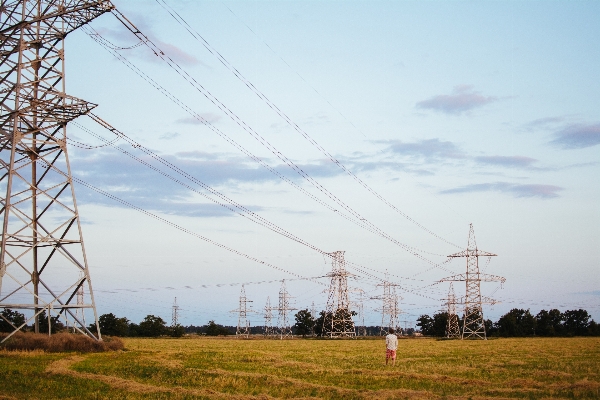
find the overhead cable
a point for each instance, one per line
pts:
(288, 120)
(358, 219)
(189, 232)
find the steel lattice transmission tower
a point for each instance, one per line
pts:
(41, 252)
(175, 313)
(452, 328)
(390, 310)
(269, 331)
(361, 329)
(284, 326)
(313, 314)
(338, 318)
(473, 322)
(243, 326)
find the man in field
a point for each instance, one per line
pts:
(391, 345)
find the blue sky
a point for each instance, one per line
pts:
(454, 112)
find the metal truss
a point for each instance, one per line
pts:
(361, 329)
(390, 311)
(269, 330)
(284, 327)
(473, 322)
(43, 266)
(243, 326)
(313, 314)
(175, 313)
(452, 328)
(338, 317)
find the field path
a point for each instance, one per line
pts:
(62, 367)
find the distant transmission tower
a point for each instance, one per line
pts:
(452, 328)
(269, 331)
(284, 326)
(80, 302)
(313, 314)
(361, 329)
(175, 313)
(338, 318)
(243, 326)
(42, 251)
(390, 311)
(473, 322)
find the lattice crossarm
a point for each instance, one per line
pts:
(454, 278)
(491, 278)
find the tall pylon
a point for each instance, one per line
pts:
(473, 322)
(338, 317)
(361, 329)
(175, 313)
(313, 314)
(284, 327)
(269, 330)
(390, 310)
(452, 328)
(42, 250)
(80, 302)
(243, 326)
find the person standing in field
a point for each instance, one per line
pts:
(391, 345)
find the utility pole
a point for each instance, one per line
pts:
(473, 322)
(338, 318)
(175, 313)
(452, 328)
(284, 326)
(42, 250)
(243, 326)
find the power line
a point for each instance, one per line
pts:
(185, 230)
(188, 78)
(287, 119)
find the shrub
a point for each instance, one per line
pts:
(60, 342)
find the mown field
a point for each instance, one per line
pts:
(229, 368)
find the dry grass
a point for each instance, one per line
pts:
(59, 343)
(206, 368)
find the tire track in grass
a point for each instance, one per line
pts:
(62, 367)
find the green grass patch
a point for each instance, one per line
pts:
(532, 368)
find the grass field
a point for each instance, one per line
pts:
(224, 368)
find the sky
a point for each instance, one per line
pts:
(445, 114)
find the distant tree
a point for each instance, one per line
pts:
(517, 322)
(440, 322)
(576, 322)
(304, 323)
(213, 329)
(323, 320)
(110, 325)
(133, 330)
(8, 317)
(490, 329)
(176, 331)
(425, 323)
(55, 324)
(593, 328)
(549, 323)
(152, 326)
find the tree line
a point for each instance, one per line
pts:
(521, 323)
(516, 323)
